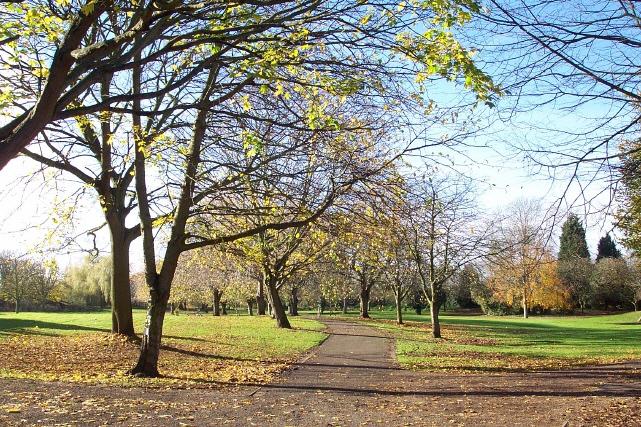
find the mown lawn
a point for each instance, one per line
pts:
(493, 343)
(198, 350)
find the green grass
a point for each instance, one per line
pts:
(510, 342)
(256, 330)
(197, 348)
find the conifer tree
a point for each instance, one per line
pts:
(573, 244)
(607, 248)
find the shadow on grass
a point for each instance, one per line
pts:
(38, 327)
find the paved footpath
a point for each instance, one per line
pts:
(351, 379)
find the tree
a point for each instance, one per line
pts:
(572, 55)
(572, 243)
(217, 61)
(628, 214)
(575, 274)
(46, 282)
(551, 293)
(609, 283)
(463, 286)
(519, 254)
(88, 283)
(360, 250)
(574, 267)
(607, 248)
(401, 276)
(632, 292)
(16, 278)
(442, 235)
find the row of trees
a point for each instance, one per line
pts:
(221, 122)
(270, 128)
(36, 284)
(25, 281)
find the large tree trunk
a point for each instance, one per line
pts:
(364, 297)
(147, 365)
(217, 295)
(293, 302)
(436, 323)
(399, 314)
(277, 307)
(122, 321)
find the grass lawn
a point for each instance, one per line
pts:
(493, 343)
(198, 349)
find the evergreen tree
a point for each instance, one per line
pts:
(574, 261)
(573, 244)
(607, 248)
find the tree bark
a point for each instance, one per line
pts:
(435, 306)
(344, 305)
(436, 323)
(261, 302)
(122, 321)
(277, 306)
(250, 307)
(399, 314)
(364, 297)
(17, 134)
(293, 302)
(525, 310)
(147, 365)
(217, 295)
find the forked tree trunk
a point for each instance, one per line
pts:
(293, 302)
(121, 316)
(278, 310)
(147, 365)
(217, 295)
(364, 297)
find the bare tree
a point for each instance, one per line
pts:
(520, 249)
(443, 232)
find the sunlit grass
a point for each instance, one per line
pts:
(498, 343)
(198, 349)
